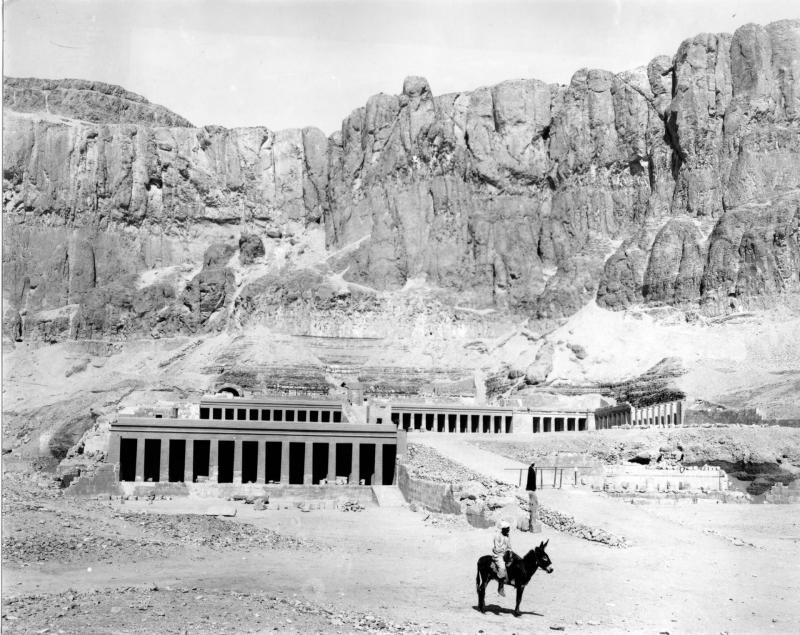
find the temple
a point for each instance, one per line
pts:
(312, 441)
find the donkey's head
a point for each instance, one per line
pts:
(542, 559)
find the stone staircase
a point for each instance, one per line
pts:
(388, 496)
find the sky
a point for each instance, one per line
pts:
(296, 63)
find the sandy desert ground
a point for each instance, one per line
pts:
(89, 566)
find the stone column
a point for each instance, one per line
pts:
(237, 461)
(591, 422)
(377, 478)
(163, 465)
(534, 525)
(213, 461)
(261, 473)
(139, 459)
(355, 468)
(331, 461)
(188, 463)
(308, 463)
(284, 462)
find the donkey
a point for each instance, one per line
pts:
(519, 571)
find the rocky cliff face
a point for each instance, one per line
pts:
(676, 183)
(89, 101)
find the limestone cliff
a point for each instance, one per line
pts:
(677, 183)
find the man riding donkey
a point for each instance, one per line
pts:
(501, 552)
(508, 568)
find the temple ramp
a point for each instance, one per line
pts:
(388, 496)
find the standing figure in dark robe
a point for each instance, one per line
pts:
(531, 484)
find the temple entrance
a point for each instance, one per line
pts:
(249, 461)
(344, 459)
(127, 459)
(272, 455)
(177, 460)
(225, 451)
(389, 457)
(152, 459)
(297, 456)
(366, 463)
(319, 463)
(202, 453)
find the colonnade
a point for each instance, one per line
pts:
(664, 415)
(220, 412)
(228, 459)
(558, 423)
(453, 422)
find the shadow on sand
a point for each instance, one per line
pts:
(499, 610)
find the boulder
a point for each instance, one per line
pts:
(497, 502)
(251, 248)
(542, 365)
(472, 490)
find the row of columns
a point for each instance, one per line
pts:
(570, 423)
(213, 460)
(505, 422)
(287, 415)
(616, 419)
(662, 415)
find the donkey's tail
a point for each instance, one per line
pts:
(478, 577)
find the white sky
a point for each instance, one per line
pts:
(295, 63)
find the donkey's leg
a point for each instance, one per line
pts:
(520, 591)
(481, 587)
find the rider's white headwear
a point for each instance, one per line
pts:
(505, 525)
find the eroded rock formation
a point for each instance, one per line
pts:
(676, 183)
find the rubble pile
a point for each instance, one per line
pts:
(567, 524)
(44, 533)
(45, 546)
(427, 464)
(445, 520)
(211, 531)
(187, 609)
(351, 506)
(477, 493)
